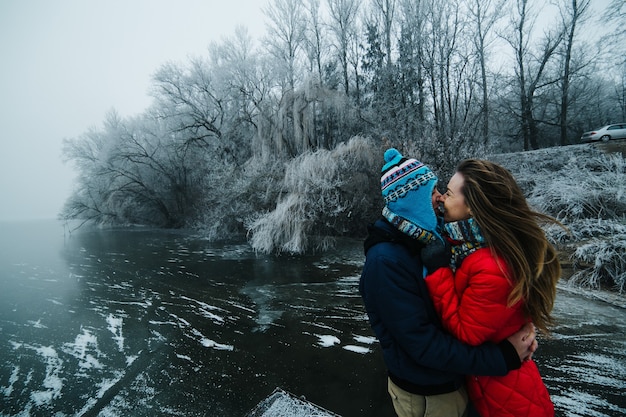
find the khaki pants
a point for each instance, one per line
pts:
(413, 405)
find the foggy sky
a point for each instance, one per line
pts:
(66, 63)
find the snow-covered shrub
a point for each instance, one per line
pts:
(572, 184)
(583, 230)
(232, 192)
(283, 229)
(325, 193)
(530, 167)
(601, 263)
(584, 188)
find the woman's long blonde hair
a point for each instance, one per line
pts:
(512, 231)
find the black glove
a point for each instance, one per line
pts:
(436, 255)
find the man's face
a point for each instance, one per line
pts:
(435, 199)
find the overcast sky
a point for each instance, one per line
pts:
(66, 63)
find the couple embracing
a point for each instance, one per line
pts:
(454, 300)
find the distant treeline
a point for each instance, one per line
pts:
(282, 139)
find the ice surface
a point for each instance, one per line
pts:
(201, 336)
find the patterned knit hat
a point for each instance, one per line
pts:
(407, 186)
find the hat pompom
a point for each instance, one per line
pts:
(392, 157)
(391, 153)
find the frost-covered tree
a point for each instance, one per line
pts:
(194, 101)
(411, 50)
(133, 171)
(386, 9)
(483, 17)
(342, 25)
(315, 41)
(530, 67)
(615, 15)
(285, 42)
(375, 89)
(243, 75)
(577, 12)
(285, 39)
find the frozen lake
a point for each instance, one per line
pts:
(151, 322)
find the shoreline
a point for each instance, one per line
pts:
(613, 298)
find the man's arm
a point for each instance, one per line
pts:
(403, 305)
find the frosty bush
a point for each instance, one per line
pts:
(583, 230)
(584, 188)
(326, 193)
(232, 192)
(283, 229)
(603, 263)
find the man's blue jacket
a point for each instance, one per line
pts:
(420, 356)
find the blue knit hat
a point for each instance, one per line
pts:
(407, 186)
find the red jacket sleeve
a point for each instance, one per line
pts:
(473, 302)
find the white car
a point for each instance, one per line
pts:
(614, 131)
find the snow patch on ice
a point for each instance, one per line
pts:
(368, 340)
(12, 380)
(357, 349)
(115, 327)
(162, 323)
(37, 324)
(205, 310)
(84, 345)
(580, 404)
(52, 382)
(131, 359)
(326, 340)
(241, 306)
(102, 387)
(107, 383)
(350, 280)
(213, 344)
(204, 341)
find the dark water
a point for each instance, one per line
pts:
(151, 322)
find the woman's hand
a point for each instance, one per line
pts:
(525, 341)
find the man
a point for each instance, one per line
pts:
(426, 366)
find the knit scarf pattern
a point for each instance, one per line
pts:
(465, 238)
(407, 227)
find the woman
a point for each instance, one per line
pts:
(503, 274)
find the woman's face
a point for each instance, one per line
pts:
(453, 200)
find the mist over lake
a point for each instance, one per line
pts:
(143, 322)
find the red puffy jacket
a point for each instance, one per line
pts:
(473, 305)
